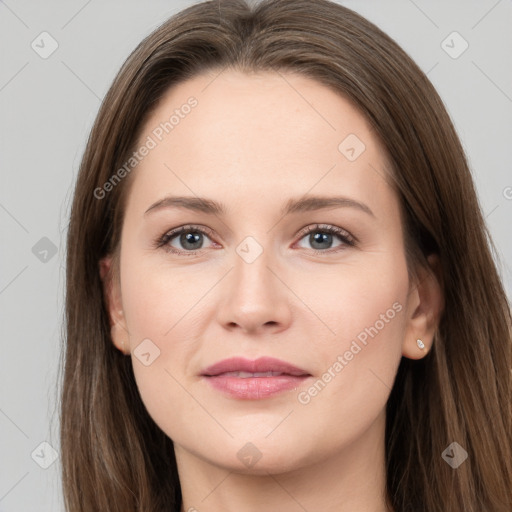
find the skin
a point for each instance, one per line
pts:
(253, 142)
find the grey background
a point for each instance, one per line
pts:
(47, 108)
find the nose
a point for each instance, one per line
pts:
(255, 299)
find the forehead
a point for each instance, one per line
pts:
(254, 136)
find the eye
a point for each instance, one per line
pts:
(190, 238)
(321, 237)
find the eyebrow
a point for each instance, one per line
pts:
(302, 204)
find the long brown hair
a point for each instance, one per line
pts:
(114, 457)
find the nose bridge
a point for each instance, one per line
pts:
(251, 276)
(252, 258)
(254, 296)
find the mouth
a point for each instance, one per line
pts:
(254, 379)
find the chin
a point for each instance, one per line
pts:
(261, 456)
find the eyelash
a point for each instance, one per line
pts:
(347, 239)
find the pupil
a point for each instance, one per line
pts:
(319, 238)
(190, 238)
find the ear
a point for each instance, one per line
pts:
(112, 294)
(425, 307)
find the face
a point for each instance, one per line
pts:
(294, 259)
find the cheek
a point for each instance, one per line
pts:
(357, 301)
(164, 314)
(158, 300)
(357, 367)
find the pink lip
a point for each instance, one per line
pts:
(221, 378)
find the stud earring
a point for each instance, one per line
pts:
(420, 344)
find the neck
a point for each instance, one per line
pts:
(352, 479)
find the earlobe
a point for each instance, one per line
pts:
(112, 296)
(426, 304)
(119, 337)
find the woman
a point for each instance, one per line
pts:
(274, 218)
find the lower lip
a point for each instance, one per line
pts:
(254, 388)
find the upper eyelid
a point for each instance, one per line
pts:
(305, 230)
(325, 227)
(189, 227)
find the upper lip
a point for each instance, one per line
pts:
(262, 364)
